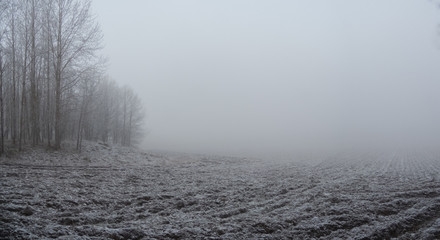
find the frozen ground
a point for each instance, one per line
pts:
(118, 193)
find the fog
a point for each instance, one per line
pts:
(262, 77)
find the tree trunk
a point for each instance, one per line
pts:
(58, 109)
(14, 84)
(80, 124)
(23, 98)
(125, 116)
(2, 130)
(48, 111)
(34, 97)
(78, 138)
(58, 82)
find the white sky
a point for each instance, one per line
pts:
(254, 76)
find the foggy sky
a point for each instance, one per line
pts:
(253, 76)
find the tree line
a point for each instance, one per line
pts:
(53, 85)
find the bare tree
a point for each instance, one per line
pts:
(88, 89)
(34, 100)
(76, 39)
(2, 124)
(2, 137)
(24, 31)
(51, 78)
(3, 8)
(134, 116)
(14, 109)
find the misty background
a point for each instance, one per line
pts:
(253, 77)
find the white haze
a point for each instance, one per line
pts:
(261, 77)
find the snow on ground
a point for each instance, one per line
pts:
(109, 192)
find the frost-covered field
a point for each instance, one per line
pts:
(118, 193)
